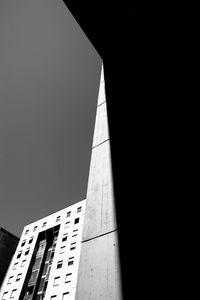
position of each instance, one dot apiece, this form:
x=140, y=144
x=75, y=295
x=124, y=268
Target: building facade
x=8, y=244
x=45, y=263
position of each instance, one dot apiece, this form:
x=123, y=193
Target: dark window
x=35, y=228
x=10, y=279
x=18, y=277
x=78, y=209
x=69, y=214
x=71, y=261
x=19, y=255
x=76, y=221
x=66, y=224
x=23, y=243
x=30, y=241
x=73, y=246
x=27, y=231
x=58, y=219
x=56, y=280
x=68, y=278
x=64, y=237
x=27, y=251
x=59, y=264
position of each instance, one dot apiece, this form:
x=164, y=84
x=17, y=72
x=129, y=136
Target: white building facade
x=45, y=263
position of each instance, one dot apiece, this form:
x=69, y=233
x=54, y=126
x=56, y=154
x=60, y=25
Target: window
x=65, y=297
x=44, y=224
x=19, y=277
x=58, y=219
x=79, y=209
x=67, y=224
x=19, y=254
x=27, y=251
x=10, y=280
x=69, y=214
x=76, y=221
x=53, y=297
x=26, y=232
x=23, y=243
x=4, y=295
x=70, y=260
x=59, y=264
x=13, y=294
x=15, y=266
x=56, y=281
x=68, y=278
x=73, y=246
x=23, y=263
x=75, y=230
x=35, y=228
x=31, y=239
x=64, y=237
x=62, y=249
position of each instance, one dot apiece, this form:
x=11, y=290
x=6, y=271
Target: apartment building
x=45, y=263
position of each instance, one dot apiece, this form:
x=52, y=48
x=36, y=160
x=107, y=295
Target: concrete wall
x=99, y=268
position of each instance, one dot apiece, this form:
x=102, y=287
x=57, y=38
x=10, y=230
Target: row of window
x=17, y=278
x=70, y=262
x=29, y=242
x=72, y=247
x=20, y=253
x=64, y=297
x=57, y=279
x=13, y=295
x=57, y=219
x=22, y=264
x=65, y=235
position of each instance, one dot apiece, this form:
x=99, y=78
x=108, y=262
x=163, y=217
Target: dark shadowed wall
x=49, y=79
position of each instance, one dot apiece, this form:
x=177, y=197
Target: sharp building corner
x=99, y=275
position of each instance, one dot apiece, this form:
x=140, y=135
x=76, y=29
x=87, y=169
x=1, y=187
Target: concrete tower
x=99, y=269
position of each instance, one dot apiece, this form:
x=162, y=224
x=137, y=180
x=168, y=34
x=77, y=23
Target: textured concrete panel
x=102, y=95
x=99, y=272
x=100, y=208
x=101, y=125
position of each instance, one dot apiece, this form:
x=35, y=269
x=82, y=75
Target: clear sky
x=49, y=79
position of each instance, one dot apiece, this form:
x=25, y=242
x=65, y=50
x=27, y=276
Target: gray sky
x=49, y=79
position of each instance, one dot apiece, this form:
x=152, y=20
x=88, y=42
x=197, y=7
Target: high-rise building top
x=45, y=263
x=8, y=244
